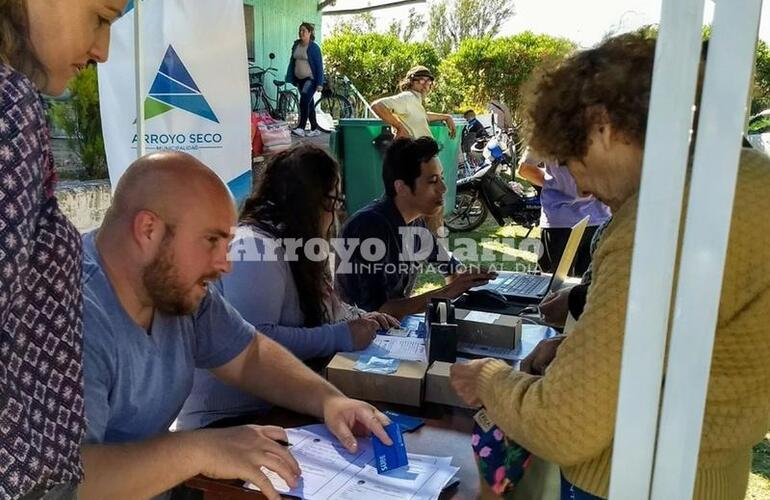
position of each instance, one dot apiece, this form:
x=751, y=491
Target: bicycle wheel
x=336, y=106
x=259, y=102
x=288, y=108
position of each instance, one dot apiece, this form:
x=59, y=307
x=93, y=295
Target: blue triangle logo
x=174, y=87
x=129, y=7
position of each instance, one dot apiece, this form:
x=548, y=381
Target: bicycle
x=347, y=102
x=286, y=104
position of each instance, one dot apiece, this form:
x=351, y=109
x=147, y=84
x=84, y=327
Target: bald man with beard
x=151, y=317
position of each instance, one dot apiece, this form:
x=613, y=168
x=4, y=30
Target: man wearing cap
x=405, y=112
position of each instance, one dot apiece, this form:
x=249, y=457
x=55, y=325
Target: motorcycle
x=485, y=192
x=472, y=158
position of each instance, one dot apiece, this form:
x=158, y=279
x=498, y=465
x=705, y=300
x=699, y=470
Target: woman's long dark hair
x=287, y=203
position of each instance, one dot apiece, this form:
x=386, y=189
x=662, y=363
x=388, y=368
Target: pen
x=282, y=442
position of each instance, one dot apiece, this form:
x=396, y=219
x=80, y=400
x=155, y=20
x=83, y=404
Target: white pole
x=704, y=246
x=366, y=103
x=139, y=75
x=655, y=243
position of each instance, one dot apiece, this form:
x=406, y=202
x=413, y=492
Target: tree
x=760, y=91
x=359, y=23
x=486, y=69
x=375, y=62
x=452, y=21
x=79, y=118
x=406, y=31
x=760, y=98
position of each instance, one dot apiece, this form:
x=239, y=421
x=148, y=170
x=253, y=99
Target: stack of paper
x=404, y=348
x=330, y=472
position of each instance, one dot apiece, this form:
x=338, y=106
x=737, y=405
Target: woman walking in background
x=306, y=72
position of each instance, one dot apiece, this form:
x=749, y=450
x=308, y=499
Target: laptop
x=524, y=287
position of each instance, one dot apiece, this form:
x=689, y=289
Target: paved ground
x=320, y=140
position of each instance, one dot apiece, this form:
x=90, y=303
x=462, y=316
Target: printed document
x=404, y=348
x=329, y=471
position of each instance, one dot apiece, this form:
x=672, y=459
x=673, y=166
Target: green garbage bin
x=353, y=145
x=449, y=156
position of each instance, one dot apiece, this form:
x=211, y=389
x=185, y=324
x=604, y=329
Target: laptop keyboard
x=524, y=284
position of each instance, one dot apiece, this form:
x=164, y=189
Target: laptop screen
x=570, y=249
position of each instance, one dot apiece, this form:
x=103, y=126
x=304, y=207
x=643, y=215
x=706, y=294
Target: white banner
x=195, y=91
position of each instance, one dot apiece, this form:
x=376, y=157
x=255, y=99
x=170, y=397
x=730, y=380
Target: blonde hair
x=15, y=45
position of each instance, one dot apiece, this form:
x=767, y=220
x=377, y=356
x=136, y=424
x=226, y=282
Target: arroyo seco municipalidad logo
x=175, y=89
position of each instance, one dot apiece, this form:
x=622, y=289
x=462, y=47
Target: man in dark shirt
x=388, y=239
x=473, y=130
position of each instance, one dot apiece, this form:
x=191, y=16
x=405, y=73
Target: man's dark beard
x=162, y=284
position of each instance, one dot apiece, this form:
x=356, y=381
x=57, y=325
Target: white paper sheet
x=330, y=472
x=482, y=317
x=405, y=348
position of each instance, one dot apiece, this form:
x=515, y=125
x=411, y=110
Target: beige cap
x=419, y=72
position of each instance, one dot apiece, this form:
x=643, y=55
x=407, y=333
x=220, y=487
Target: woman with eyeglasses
x=281, y=278
x=405, y=112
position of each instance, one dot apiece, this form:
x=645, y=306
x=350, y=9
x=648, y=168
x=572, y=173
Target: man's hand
x=460, y=283
x=541, y=356
x=347, y=418
x=241, y=452
x=555, y=307
x=464, y=379
x=450, y=123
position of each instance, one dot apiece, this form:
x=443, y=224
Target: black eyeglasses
x=336, y=203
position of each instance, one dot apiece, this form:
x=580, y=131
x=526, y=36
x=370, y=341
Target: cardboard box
x=490, y=329
x=403, y=387
x=437, y=387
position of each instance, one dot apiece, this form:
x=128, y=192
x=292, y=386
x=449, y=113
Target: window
x=248, y=14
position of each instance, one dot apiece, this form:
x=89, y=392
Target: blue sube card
x=390, y=457
x=407, y=423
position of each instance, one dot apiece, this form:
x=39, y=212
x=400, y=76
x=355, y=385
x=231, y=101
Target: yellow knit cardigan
x=568, y=415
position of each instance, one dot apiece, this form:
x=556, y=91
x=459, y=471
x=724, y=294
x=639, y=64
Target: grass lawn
x=507, y=255
x=498, y=247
